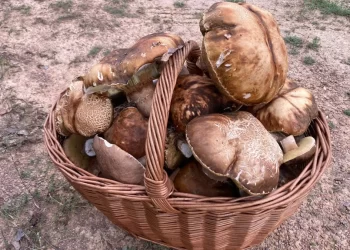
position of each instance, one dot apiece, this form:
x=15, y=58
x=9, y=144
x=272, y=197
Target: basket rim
x=281, y=196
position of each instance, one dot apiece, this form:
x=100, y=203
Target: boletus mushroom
x=298, y=153
x=191, y=179
x=290, y=112
x=236, y=146
x=129, y=131
x=193, y=96
x=66, y=107
x=173, y=156
x=133, y=70
x=244, y=52
x=116, y=164
x=73, y=147
x=93, y=115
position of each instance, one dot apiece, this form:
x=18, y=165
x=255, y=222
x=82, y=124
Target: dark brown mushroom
x=129, y=131
x=193, y=96
x=236, y=146
x=191, y=179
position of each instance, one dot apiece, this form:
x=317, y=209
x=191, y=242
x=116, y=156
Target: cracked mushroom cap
x=191, y=179
x=116, y=164
x=129, y=131
x=194, y=96
x=244, y=52
x=94, y=115
x=236, y=146
x=290, y=112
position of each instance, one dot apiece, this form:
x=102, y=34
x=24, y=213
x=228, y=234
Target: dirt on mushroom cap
x=236, y=145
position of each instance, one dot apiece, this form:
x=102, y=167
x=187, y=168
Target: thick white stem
x=184, y=148
x=289, y=144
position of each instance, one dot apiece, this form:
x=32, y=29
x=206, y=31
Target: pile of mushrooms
x=235, y=129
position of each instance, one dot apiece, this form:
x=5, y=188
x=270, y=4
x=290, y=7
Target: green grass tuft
x=94, y=51
x=62, y=5
x=294, y=41
x=23, y=9
x=235, y=1
x=308, y=60
x=347, y=112
x=328, y=7
x=179, y=4
x=315, y=44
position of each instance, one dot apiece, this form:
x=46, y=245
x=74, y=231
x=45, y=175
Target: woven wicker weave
x=156, y=213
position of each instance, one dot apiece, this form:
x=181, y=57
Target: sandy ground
x=45, y=44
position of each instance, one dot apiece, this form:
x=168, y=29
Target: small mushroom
x=290, y=112
x=191, y=179
x=116, y=164
x=133, y=70
x=193, y=96
x=93, y=115
x=73, y=147
x=244, y=52
x=298, y=153
x=129, y=131
x=236, y=146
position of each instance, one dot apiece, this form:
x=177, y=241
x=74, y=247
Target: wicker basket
x=156, y=213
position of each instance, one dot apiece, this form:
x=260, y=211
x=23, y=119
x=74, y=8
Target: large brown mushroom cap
x=129, y=131
x=194, y=96
x=237, y=146
x=94, y=115
x=121, y=65
x=191, y=179
x=117, y=164
x=244, y=52
x=291, y=111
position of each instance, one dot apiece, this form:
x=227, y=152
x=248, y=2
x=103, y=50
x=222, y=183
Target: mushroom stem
x=142, y=160
x=88, y=148
x=184, y=148
x=289, y=144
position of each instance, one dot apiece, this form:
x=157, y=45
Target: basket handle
x=158, y=185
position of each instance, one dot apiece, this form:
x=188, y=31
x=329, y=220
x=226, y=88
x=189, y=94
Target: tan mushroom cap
x=236, y=146
x=191, y=179
x=94, y=115
x=129, y=131
x=194, y=96
x=301, y=153
x=291, y=111
x=244, y=52
x=120, y=65
x=117, y=164
x=73, y=147
x=65, y=110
